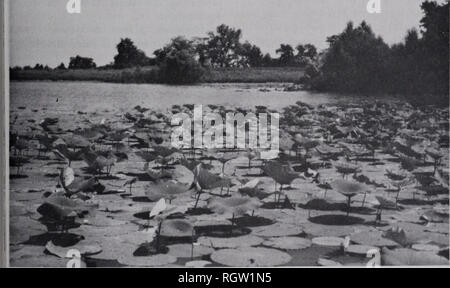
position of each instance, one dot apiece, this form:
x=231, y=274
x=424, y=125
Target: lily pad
x=176, y=228
x=250, y=257
x=426, y=248
x=328, y=241
x=185, y=250
x=233, y=242
x=150, y=261
x=277, y=230
x=288, y=243
x=372, y=238
x=359, y=249
x=409, y=257
x=84, y=248
x=198, y=264
x=328, y=263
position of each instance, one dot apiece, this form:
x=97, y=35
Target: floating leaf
x=232, y=242
x=158, y=208
x=86, y=249
x=234, y=205
x=328, y=241
x=250, y=257
x=409, y=257
x=176, y=228
x=277, y=230
x=185, y=250
x=288, y=243
x=159, y=260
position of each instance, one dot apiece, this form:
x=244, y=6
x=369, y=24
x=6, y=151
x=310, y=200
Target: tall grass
x=253, y=75
x=151, y=75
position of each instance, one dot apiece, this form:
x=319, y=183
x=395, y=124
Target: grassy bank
x=150, y=75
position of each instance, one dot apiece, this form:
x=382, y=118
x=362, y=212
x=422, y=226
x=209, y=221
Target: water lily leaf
x=328, y=241
x=85, y=248
x=281, y=174
x=149, y=261
x=250, y=257
x=59, y=207
x=207, y=180
x=328, y=263
x=68, y=176
x=234, y=205
x=349, y=188
x=176, y=228
x=185, y=250
x=76, y=141
x=158, y=208
x=232, y=242
x=277, y=230
x=409, y=257
x=182, y=175
x=47, y=261
x=198, y=264
x=26, y=251
x=426, y=248
x=318, y=230
x=372, y=238
x=360, y=249
x=288, y=243
x=168, y=189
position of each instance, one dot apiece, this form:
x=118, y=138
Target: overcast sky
x=41, y=31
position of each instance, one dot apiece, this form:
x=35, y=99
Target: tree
x=61, y=67
x=286, y=55
x=223, y=46
x=38, y=67
x=177, y=62
x=79, y=62
x=305, y=54
x=267, y=60
x=251, y=55
x=129, y=55
x=435, y=36
x=356, y=62
x=201, y=49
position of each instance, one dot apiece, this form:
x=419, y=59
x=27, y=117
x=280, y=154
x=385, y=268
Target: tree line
x=220, y=49
x=356, y=60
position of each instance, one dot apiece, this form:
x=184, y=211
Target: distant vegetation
x=151, y=74
x=356, y=61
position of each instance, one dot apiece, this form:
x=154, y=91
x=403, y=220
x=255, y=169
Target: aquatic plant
x=281, y=174
x=347, y=168
x=165, y=190
x=207, y=180
x=348, y=189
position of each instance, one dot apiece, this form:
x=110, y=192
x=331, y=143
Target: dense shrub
x=178, y=64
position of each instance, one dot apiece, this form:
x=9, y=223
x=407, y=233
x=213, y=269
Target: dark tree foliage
x=177, y=62
x=79, y=62
x=435, y=41
x=287, y=57
x=61, y=67
x=267, y=61
x=251, y=55
x=357, y=61
x=223, y=46
x=129, y=55
x=38, y=67
x=305, y=54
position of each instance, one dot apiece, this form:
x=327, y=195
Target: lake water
x=69, y=97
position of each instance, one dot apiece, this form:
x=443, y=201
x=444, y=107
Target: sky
x=41, y=31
